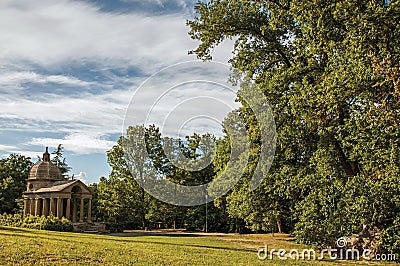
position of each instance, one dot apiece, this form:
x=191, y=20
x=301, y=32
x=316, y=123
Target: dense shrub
x=36, y=222
x=11, y=220
x=391, y=238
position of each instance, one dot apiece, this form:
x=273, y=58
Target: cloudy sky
x=69, y=68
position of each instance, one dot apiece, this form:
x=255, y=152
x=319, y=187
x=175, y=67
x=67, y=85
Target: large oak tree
x=330, y=71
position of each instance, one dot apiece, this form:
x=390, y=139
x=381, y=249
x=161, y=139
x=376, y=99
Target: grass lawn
x=33, y=247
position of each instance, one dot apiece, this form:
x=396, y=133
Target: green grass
x=33, y=247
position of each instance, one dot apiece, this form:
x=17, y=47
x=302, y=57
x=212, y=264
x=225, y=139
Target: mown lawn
x=33, y=247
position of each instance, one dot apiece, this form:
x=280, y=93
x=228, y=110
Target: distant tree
x=124, y=203
x=60, y=161
x=14, y=171
x=193, y=149
x=121, y=199
x=95, y=200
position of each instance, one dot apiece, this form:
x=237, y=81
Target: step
x=91, y=232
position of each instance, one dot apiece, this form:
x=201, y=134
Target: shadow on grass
x=15, y=229
x=187, y=245
x=156, y=234
x=51, y=235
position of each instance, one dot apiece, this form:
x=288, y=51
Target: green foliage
x=50, y=223
x=391, y=237
x=330, y=71
x=14, y=220
x=123, y=204
x=96, y=213
x=14, y=171
x=60, y=161
x=121, y=201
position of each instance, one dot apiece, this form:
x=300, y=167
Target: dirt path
x=133, y=233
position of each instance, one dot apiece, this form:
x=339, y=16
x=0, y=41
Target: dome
x=45, y=169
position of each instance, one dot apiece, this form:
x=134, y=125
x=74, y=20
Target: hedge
x=37, y=222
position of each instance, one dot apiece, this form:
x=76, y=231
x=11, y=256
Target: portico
x=60, y=203
x=48, y=193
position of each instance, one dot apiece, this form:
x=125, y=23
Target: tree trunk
x=279, y=224
x=144, y=222
x=142, y=212
x=351, y=169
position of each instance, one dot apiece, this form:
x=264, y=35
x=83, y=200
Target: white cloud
x=82, y=177
x=87, y=121
x=101, y=113
x=180, y=3
x=78, y=143
x=7, y=147
x=187, y=97
x=53, y=32
x=32, y=154
x=14, y=79
x=55, y=35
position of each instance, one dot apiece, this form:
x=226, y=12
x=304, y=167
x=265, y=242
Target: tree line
x=330, y=72
x=123, y=203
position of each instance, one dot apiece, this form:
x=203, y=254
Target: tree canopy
x=14, y=171
x=60, y=161
x=330, y=71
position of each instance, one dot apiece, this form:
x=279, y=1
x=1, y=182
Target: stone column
x=89, y=211
x=45, y=211
x=43, y=207
x=47, y=206
x=37, y=207
x=81, y=211
x=59, y=207
x=32, y=206
x=26, y=207
x=62, y=207
x=68, y=210
x=52, y=206
x=74, y=210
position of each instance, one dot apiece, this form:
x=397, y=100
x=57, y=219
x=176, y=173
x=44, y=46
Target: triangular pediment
x=66, y=186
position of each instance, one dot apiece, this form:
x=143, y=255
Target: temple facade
x=48, y=192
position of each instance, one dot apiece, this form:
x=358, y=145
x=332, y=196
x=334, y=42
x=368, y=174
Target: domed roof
x=45, y=169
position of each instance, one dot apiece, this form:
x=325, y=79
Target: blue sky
x=68, y=69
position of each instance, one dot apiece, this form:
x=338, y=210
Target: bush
x=37, y=222
x=391, y=238
x=11, y=220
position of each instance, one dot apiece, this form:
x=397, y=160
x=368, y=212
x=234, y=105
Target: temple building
x=48, y=192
